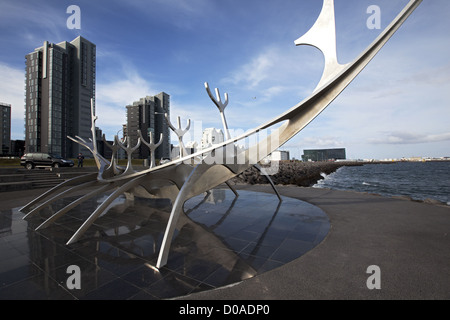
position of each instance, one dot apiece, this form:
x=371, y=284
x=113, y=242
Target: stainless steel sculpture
x=194, y=174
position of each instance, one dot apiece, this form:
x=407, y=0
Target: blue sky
x=397, y=107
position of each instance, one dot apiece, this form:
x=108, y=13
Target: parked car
x=32, y=160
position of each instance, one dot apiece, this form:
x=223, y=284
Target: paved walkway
x=409, y=241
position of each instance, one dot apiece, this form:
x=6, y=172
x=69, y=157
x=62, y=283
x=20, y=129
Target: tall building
x=211, y=136
x=147, y=115
x=280, y=155
x=5, y=128
x=59, y=85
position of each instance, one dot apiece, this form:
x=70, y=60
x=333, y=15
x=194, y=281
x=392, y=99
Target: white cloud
x=399, y=137
x=12, y=92
x=254, y=72
x=122, y=92
x=186, y=7
x=319, y=142
x=182, y=14
x=112, y=98
x=286, y=66
x=12, y=89
x=38, y=21
x=390, y=96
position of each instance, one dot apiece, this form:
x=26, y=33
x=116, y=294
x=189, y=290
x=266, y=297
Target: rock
x=433, y=201
x=403, y=198
x=303, y=174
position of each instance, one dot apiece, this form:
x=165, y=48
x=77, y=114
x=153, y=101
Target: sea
x=417, y=180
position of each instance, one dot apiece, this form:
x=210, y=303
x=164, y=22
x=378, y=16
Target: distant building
x=17, y=148
x=59, y=85
x=191, y=147
x=5, y=128
x=175, y=152
x=102, y=148
x=279, y=155
x=324, y=154
x=124, y=131
x=147, y=115
x=211, y=136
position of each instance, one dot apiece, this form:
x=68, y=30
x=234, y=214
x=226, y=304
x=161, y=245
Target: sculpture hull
x=191, y=175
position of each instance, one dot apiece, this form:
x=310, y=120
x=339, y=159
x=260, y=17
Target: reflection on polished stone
x=222, y=239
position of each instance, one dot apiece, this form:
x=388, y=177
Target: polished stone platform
x=221, y=240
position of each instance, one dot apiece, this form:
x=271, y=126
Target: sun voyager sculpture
x=190, y=175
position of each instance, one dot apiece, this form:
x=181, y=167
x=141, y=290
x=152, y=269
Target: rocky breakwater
x=302, y=174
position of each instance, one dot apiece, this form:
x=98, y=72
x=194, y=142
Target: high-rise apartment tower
x=147, y=115
x=59, y=85
x=5, y=128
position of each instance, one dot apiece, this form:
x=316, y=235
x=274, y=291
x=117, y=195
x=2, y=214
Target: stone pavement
x=407, y=240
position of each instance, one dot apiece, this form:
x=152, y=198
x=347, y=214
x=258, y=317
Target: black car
x=32, y=160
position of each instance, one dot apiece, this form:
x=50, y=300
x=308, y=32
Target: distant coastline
x=307, y=174
x=396, y=181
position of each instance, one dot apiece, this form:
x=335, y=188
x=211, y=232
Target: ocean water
x=417, y=180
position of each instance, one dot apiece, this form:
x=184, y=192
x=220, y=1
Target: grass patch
x=10, y=163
